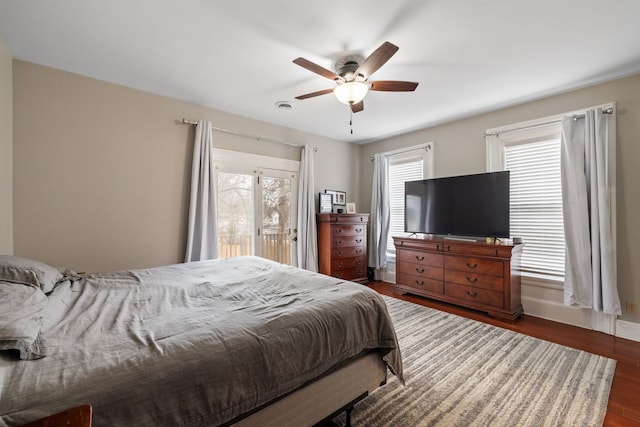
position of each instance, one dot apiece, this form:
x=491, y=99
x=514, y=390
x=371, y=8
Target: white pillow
x=29, y=272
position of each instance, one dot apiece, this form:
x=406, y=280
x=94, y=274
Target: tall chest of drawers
x=342, y=245
x=472, y=274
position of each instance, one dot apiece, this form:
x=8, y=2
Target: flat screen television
x=467, y=205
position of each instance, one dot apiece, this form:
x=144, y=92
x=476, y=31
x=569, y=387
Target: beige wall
x=102, y=171
x=460, y=149
x=6, y=151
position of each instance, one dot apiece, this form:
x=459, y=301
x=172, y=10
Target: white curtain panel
x=202, y=238
x=590, y=269
x=307, y=238
x=379, y=221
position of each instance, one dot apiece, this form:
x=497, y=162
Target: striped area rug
x=461, y=372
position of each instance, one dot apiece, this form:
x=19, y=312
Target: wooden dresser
x=342, y=245
x=477, y=275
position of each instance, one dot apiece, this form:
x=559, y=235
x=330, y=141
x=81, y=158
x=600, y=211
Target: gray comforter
x=191, y=344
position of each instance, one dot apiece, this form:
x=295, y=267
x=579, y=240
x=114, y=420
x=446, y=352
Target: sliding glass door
x=256, y=212
x=235, y=214
x=276, y=230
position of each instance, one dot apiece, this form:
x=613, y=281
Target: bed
x=242, y=341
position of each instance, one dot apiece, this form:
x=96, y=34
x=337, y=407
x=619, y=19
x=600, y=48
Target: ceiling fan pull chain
x=351, y=120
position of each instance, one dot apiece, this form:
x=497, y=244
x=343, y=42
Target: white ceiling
x=469, y=56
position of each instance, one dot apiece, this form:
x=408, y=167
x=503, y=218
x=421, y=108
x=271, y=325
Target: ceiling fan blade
x=393, y=86
x=357, y=107
x=312, y=94
x=315, y=68
x=377, y=59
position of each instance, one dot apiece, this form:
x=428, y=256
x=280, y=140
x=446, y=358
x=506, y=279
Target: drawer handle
x=358, y=240
x=340, y=242
x=419, y=283
x=419, y=258
x=448, y=248
x=358, y=230
x=339, y=230
x=339, y=253
x=358, y=251
x=475, y=279
x=472, y=266
x=438, y=248
x=472, y=294
x=339, y=264
x=420, y=270
x=359, y=262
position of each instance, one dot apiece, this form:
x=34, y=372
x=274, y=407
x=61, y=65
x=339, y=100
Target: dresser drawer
x=348, y=241
x=350, y=273
x=346, y=252
x=484, y=281
x=476, y=295
x=421, y=258
x=427, y=271
x=419, y=283
x=348, y=230
x=342, y=263
x=474, y=265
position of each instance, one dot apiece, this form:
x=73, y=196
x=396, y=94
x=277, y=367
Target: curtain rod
x=575, y=117
x=245, y=135
x=426, y=146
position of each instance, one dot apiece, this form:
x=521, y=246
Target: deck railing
x=276, y=246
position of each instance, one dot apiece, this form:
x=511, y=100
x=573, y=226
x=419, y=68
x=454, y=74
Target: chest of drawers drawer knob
x=470, y=280
x=419, y=258
x=358, y=240
x=420, y=270
x=358, y=230
x=420, y=282
x=358, y=251
x=472, y=294
x=472, y=266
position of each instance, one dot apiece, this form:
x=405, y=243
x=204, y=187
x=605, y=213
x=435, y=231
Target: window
x=409, y=165
x=532, y=151
x=532, y=154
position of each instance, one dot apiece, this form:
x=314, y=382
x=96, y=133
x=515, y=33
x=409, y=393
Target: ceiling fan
x=352, y=77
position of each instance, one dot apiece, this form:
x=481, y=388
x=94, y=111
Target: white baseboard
x=628, y=330
x=558, y=312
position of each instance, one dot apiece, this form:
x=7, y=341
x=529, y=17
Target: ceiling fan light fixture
x=351, y=92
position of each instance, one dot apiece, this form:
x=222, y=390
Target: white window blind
x=402, y=167
x=536, y=204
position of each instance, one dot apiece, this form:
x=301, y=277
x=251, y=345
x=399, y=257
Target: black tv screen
x=467, y=205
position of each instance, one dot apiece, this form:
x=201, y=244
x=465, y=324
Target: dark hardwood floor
x=624, y=399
